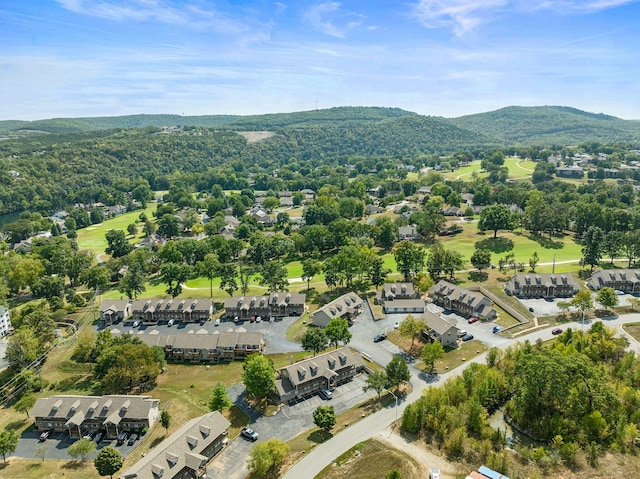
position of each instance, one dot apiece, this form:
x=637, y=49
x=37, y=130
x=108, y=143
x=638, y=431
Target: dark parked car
x=556, y=331
x=122, y=437
x=379, y=337
x=496, y=329
x=531, y=310
x=44, y=435
x=249, y=434
x=133, y=439
x=468, y=337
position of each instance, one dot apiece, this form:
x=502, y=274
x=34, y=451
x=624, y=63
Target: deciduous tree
x=324, y=417
x=411, y=327
x=108, y=461
x=376, y=380
x=607, y=297
x=314, y=340
x=8, y=442
x=338, y=330
x=431, y=352
x=410, y=258
x=82, y=449
x=397, y=371
x=267, y=456
x=259, y=375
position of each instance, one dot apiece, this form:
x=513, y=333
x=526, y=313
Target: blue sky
x=69, y=58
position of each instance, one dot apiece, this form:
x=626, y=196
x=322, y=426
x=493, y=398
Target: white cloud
x=461, y=15
x=465, y=15
x=162, y=11
x=318, y=15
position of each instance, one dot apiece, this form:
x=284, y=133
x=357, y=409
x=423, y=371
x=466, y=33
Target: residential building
x=408, y=233
x=326, y=371
x=5, y=321
x=347, y=306
x=186, y=452
x=77, y=415
x=400, y=298
x=462, y=300
x=277, y=305
x=153, y=311
x=570, y=172
x=535, y=285
x=206, y=348
x=113, y=311
x=627, y=280
x=439, y=329
x=453, y=211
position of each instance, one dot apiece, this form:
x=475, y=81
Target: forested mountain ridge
x=540, y=125
x=332, y=117
x=550, y=125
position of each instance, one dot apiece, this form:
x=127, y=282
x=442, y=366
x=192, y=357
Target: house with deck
x=462, y=300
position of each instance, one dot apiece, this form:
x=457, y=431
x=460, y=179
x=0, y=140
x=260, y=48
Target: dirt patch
x=373, y=460
x=255, y=136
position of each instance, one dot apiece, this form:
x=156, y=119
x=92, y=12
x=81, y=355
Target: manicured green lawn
x=92, y=237
x=465, y=172
x=521, y=243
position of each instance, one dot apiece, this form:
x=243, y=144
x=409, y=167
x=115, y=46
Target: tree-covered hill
x=550, y=125
x=14, y=128
x=332, y=117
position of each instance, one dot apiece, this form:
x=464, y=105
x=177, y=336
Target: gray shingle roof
x=180, y=450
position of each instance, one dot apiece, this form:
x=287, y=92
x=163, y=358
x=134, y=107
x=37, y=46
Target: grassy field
x=92, y=237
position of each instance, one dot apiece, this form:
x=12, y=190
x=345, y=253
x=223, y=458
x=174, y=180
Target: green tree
x=397, y=371
x=310, y=268
x=132, y=283
x=338, y=330
x=378, y=273
x=495, y=218
x=481, y=259
x=228, y=273
x=314, y=340
x=431, y=352
x=324, y=417
x=165, y=420
x=533, y=261
x=82, y=449
x=208, y=268
x=583, y=301
x=412, y=327
x=410, y=258
x=168, y=225
x=267, y=456
x=108, y=461
x=96, y=277
x=22, y=348
x=273, y=275
x=8, y=442
x=117, y=244
x=132, y=229
x=219, y=398
x=174, y=275
x=259, y=375
x=591, y=246
x=25, y=403
x=607, y=297
x=376, y=380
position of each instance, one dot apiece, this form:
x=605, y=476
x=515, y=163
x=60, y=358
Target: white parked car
x=396, y=325
x=135, y=324
x=434, y=473
x=216, y=322
x=171, y=322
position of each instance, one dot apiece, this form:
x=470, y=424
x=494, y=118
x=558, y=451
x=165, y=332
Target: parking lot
x=57, y=444
x=272, y=331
